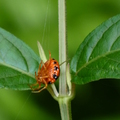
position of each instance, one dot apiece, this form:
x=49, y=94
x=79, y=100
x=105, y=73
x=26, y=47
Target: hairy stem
x=62, y=47
x=65, y=108
x=64, y=98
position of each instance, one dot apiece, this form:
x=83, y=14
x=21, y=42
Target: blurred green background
x=38, y=20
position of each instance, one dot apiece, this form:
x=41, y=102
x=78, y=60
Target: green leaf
x=98, y=56
x=18, y=63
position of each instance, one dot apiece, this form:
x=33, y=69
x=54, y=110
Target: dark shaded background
x=38, y=20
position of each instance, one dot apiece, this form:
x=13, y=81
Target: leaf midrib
x=17, y=50
x=19, y=70
x=96, y=59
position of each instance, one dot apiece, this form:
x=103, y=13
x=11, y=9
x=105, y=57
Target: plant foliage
x=18, y=63
x=98, y=56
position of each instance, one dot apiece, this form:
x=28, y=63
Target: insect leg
x=49, y=55
x=41, y=63
x=31, y=86
x=41, y=88
x=48, y=62
x=36, y=89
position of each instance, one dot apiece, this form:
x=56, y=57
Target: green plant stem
x=64, y=98
x=62, y=47
x=65, y=108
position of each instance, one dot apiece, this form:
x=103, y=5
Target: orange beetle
x=48, y=74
